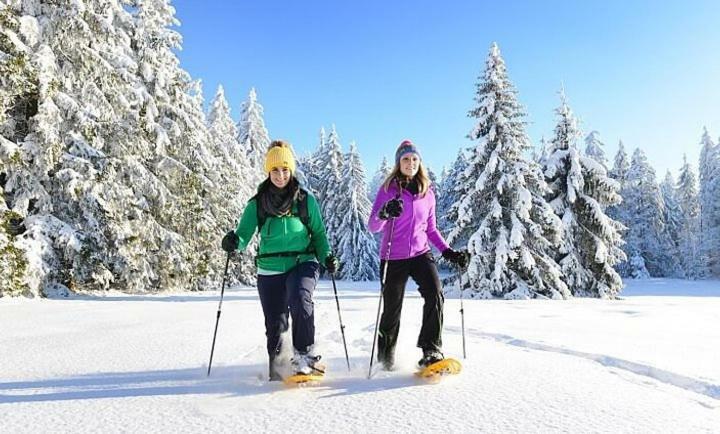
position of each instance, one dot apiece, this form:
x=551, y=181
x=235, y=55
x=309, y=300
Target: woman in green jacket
x=292, y=246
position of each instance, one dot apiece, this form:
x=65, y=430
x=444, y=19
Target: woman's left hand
x=459, y=258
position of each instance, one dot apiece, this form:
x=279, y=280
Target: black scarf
x=278, y=201
x=409, y=184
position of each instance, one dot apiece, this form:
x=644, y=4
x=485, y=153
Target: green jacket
x=285, y=234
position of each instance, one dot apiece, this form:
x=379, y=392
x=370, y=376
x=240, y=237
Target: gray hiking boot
x=306, y=364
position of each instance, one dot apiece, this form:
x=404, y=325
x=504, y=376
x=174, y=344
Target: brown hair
x=281, y=143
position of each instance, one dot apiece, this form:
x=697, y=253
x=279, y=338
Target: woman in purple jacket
x=404, y=210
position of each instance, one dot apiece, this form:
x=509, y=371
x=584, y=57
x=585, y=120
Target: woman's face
x=280, y=176
x=409, y=164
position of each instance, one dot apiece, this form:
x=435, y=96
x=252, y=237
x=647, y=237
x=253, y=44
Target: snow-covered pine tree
x=173, y=119
x=74, y=147
x=687, y=195
x=18, y=102
x=13, y=258
x=540, y=153
x=434, y=184
x=381, y=173
x=709, y=169
x=311, y=167
x=356, y=248
x=621, y=165
x=252, y=134
x=112, y=141
x=331, y=168
x=580, y=190
x=18, y=74
x=455, y=185
x=443, y=174
x=432, y=177
x=235, y=177
x=440, y=187
x=594, y=148
x=646, y=223
x=514, y=228
x=672, y=215
x=620, y=212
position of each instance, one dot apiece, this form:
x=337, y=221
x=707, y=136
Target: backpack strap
x=302, y=207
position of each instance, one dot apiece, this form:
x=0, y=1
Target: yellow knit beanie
x=279, y=155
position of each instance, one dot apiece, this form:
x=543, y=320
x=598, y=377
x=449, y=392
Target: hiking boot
x=430, y=357
x=387, y=358
x=306, y=364
x=273, y=374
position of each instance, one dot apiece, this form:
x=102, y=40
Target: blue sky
x=646, y=72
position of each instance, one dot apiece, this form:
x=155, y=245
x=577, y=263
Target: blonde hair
x=422, y=178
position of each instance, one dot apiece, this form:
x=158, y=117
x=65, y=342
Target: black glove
x=331, y=264
x=459, y=258
x=230, y=242
x=391, y=209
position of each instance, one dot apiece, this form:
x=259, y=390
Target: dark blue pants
x=291, y=293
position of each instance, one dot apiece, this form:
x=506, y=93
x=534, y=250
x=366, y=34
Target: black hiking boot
x=387, y=358
x=430, y=357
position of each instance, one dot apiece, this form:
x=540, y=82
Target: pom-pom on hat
x=279, y=155
x=406, y=147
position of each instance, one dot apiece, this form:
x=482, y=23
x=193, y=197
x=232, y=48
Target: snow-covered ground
x=647, y=363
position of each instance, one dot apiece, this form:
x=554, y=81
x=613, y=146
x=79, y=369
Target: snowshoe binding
x=307, y=369
x=433, y=366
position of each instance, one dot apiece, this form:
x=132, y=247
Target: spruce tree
x=252, y=134
x=709, y=169
x=580, y=190
x=621, y=165
x=234, y=178
x=330, y=191
x=513, y=228
x=687, y=196
x=620, y=212
x=81, y=134
x=18, y=103
x=672, y=215
x=455, y=185
x=540, y=153
x=183, y=204
x=594, y=148
x=357, y=249
x=646, y=222
x=311, y=167
x=382, y=172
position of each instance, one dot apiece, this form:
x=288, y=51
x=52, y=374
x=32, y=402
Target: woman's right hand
x=391, y=209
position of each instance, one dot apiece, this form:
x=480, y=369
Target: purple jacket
x=414, y=227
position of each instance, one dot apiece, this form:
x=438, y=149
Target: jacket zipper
x=412, y=223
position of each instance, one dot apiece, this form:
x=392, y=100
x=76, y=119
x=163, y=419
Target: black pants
x=285, y=293
x=423, y=271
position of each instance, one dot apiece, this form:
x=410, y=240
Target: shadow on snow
x=231, y=381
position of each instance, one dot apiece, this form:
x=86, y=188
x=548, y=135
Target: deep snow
x=649, y=362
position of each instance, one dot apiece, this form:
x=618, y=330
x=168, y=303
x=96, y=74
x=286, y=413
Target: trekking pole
x=382, y=281
x=342, y=327
x=217, y=320
x=382, y=289
x=462, y=310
